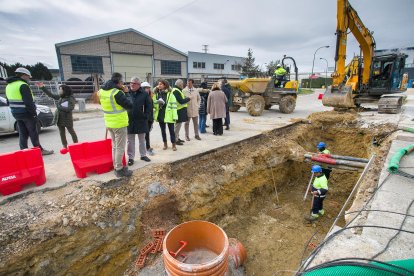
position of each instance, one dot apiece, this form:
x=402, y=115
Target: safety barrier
x=20, y=168
x=93, y=156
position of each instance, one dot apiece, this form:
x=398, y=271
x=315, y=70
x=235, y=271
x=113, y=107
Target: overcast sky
x=29, y=29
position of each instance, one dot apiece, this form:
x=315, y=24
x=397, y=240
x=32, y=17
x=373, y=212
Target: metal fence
x=81, y=89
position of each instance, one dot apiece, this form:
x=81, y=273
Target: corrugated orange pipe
x=198, y=235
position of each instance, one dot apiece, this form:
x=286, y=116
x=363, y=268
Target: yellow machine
x=257, y=94
x=367, y=78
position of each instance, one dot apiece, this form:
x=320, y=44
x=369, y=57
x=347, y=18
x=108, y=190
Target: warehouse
x=128, y=52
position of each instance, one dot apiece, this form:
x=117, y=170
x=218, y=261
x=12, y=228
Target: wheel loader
x=367, y=78
x=258, y=94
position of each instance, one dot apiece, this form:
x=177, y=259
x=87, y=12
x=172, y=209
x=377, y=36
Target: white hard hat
x=23, y=71
x=278, y=65
x=145, y=84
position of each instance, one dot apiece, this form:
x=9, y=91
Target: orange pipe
x=198, y=235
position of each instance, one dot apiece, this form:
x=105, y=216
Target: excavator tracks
x=390, y=104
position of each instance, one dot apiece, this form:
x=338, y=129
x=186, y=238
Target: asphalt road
x=59, y=168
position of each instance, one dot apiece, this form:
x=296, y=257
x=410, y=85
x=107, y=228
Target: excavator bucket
x=338, y=97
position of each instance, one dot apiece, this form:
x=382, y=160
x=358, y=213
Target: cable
x=358, y=264
x=396, y=234
x=166, y=15
x=359, y=259
x=329, y=238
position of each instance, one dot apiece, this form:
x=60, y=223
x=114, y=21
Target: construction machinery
x=367, y=78
x=257, y=94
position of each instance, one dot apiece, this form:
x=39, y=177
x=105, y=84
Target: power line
x=166, y=16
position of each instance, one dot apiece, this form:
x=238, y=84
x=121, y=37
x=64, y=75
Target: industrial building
x=128, y=52
x=211, y=67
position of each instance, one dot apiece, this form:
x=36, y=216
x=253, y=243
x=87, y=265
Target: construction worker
x=319, y=191
x=321, y=146
x=114, y=105
x=280, y=73
x=21, y=101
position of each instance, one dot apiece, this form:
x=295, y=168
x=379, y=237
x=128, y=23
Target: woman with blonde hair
x=216, y=107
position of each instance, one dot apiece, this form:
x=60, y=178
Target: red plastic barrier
x=93, y=156
x=20, y=168
x=320, y=96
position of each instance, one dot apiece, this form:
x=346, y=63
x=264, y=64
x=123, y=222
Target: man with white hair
x=21, y=101
x=138, y=118
x=182, y=101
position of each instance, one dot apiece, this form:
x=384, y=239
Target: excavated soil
x=89, y=227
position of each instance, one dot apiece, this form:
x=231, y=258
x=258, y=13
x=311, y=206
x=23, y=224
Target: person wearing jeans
x=165, y=111
x=202, y=111
x=138, y=118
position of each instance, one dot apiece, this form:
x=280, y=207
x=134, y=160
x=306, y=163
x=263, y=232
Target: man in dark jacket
x=138, y=119
x=182, y=101
x=115, y=105
x=226, y=89
x=21, y=101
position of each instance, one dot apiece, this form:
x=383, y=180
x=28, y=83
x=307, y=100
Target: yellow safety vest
x=115, y=115
x=171, y=115
x=320, y=182
x=180, y=106
x=325, y=151
x=14, y=96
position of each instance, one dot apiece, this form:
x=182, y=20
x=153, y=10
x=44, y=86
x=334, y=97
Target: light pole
x=326, y=71
x=313, y=63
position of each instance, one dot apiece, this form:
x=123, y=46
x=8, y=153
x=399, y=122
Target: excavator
x=367, y=78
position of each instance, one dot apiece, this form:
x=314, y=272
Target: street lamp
x=313, y=63
x=326, y=71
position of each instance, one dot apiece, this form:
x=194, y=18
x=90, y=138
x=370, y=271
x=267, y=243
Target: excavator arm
x=348, y=19
x=343, y=89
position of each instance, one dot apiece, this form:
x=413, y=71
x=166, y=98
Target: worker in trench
x=319, y=191
x=321, y=146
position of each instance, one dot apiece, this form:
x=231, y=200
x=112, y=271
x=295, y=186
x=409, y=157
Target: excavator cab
x=387, y=74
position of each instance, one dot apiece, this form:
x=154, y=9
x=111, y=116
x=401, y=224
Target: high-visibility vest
x=325, y=151
x=180, y=106
x=320, y=182
x=171, y=115
x=14, y=96
x=115, y=115
x=280, y=72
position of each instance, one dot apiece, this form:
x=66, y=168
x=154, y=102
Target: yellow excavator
x=367, y=78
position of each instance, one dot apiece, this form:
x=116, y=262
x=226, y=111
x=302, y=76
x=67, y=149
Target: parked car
x=9, y=125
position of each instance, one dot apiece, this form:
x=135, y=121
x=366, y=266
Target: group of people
x=128, y=112
x=131, y=111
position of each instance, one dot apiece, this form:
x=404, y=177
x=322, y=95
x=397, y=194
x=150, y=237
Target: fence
x=81, y=89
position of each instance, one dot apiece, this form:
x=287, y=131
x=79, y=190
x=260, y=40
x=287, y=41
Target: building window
x=219, y=66
x=87, y=64
x=199, y=65
x=169, y=67
x=236, y=67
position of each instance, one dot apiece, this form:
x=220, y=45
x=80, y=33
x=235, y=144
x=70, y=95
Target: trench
x=231, y=186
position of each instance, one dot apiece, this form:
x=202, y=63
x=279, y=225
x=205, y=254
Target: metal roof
x=115, y=33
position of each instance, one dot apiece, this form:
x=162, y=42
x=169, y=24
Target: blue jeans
x=202, y=123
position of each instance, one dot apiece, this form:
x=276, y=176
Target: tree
x=249, y=69
x=39, y=71
x=271, y=66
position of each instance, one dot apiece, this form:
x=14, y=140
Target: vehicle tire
x=287, y=104
x=255, y=105
x=267, y=106
x=234, y=108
